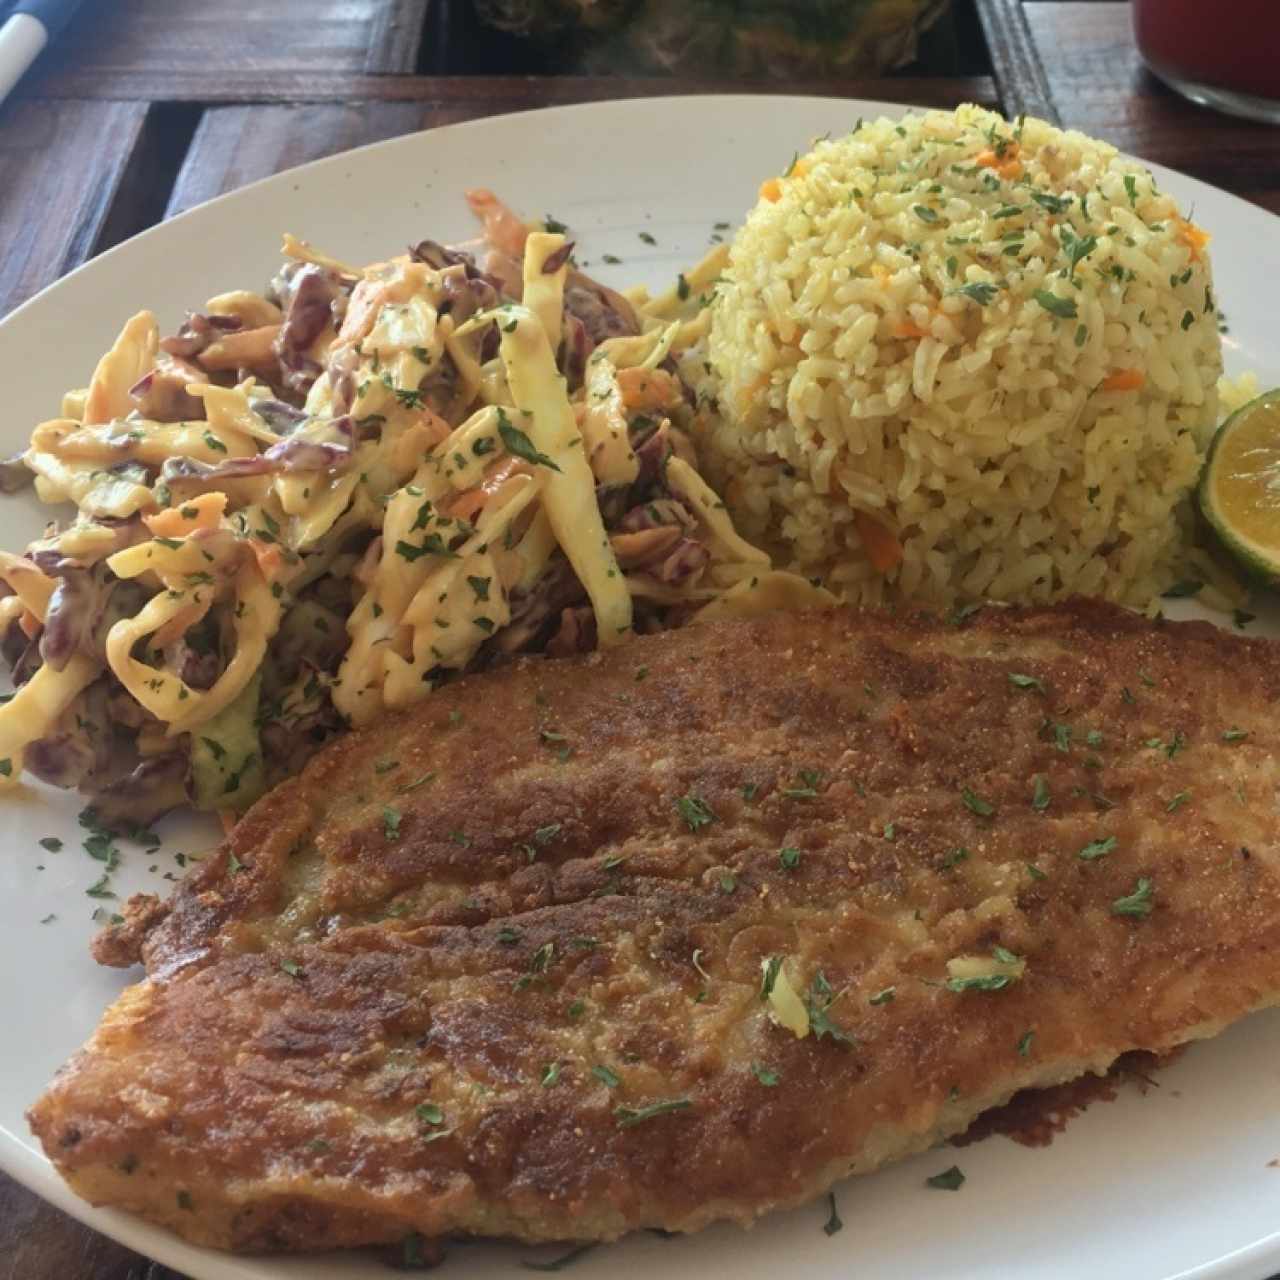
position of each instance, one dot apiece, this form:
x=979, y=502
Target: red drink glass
x=1224, y=55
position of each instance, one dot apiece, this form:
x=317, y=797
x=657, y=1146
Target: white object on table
x=21, y=40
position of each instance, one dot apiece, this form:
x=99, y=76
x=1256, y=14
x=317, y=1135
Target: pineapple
x=780, y=38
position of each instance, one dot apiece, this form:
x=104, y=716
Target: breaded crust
x=440, y=982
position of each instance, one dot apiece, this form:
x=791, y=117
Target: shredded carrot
x=648, y=389
x=1005, y=162
x=30, y=624
x=881, y=544
x=181, y=622
x=202, y=512
x=270, y=558
x=502, y=228
x=1124, y=380
x=797, y=170
x=909, y=329
x=1195, y=238
x=468, y=504
x=771, y=190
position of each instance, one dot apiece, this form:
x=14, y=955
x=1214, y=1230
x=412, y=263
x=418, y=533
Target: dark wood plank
x=234, y=146
x=63, y=164
x=481, y=95
x=39, y=1242
x=254, y=40
x=1099, y=85
x=1015, y=61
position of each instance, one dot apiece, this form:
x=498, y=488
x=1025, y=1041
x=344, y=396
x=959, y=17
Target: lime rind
x=1260, y=559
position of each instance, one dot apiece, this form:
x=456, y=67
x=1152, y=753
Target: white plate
x=1173, y=1184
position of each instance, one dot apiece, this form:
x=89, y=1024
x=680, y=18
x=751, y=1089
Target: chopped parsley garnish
x=682, y=287
x=694, y=810
x=1063, y=308
x=982, y=294
x=924, y=213
x=948, y=1180
x=606, y=1077
x=52, y=843
x=1097, y=849
x=1026, y=682
x=432, y=545
x=789, y=857
x=214, y=443
x=818, y=1003
x=975, y=803
x=883, y=997
x=1176, y=743
x=1040, y=793
x=808, y=789
x=1242, y=619
x=1078, y=248
x=554, y=225
x=1177, y=802
x=955, y=857
x=480, y=586
x=766, y=1077
x=1137, y=904
x=429, y=1113
x=647, y=238
x=519, y=444
x=986, y=982
x=1034, y=872
x=1131, y=189
x=629, y=1117
x=728, y=882
x=99, y=889
x=1024, y=1043
x=544, y=835
x=1235, y=735
x=292, y=968
x=391, y=822
x=1047, y=200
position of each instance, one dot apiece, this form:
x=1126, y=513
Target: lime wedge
x=1240, y=485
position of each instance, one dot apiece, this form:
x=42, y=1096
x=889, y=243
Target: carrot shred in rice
x=1005, y=163
x=1195, y=238
x=1124, y=380
x=909, y=329
x=881, y=544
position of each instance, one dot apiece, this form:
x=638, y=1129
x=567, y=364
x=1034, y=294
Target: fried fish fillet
x=500, y=966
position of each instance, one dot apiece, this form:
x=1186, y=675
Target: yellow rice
x=901, y=332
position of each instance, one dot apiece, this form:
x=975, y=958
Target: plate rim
x=30, y=1167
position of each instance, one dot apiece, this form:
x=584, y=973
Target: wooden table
x=151, y=106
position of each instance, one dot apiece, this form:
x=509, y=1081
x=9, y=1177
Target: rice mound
x=998, y=342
